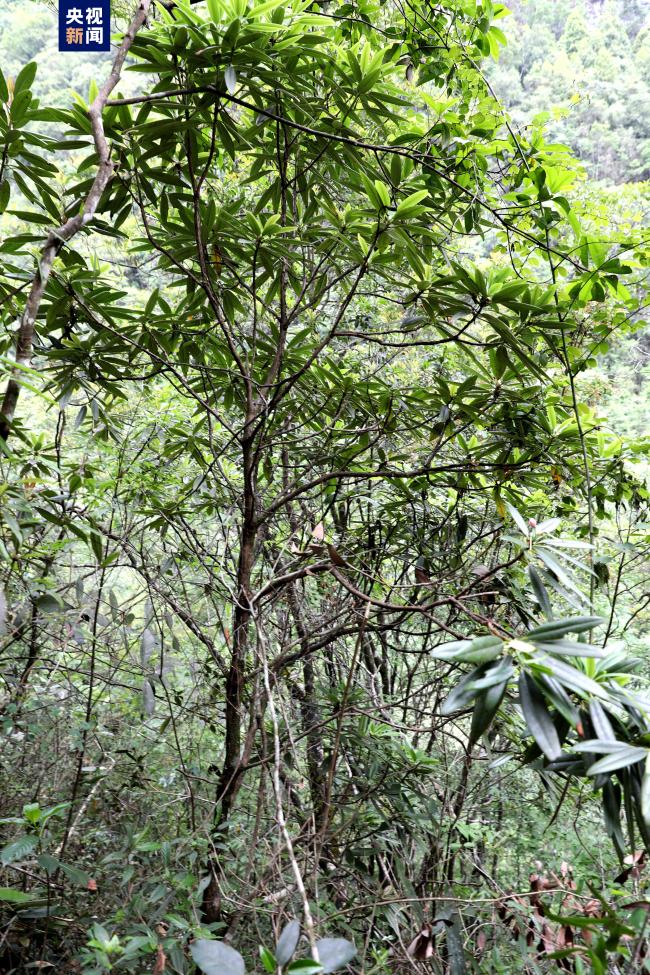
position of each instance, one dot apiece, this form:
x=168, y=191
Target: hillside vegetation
x=324, y=537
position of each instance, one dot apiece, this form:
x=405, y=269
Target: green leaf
x=463, y=693
x=552, y=563
x=12, y=896
x=18, y=849
x=569, y=648
x=411, y=203
x=600, y=721
x=268, y=960
x=645, y=793
x=334, y=953
x=267, y=7
x=49, y=863
x=573, y=920
x=538, y=720
x=483, y=649
x=97, y=546
x=215, y=9
x=48, y=603
x=518, y=519
x=601, y=746
x=216, y=958
x=556, y=629
x=485, y=707
x=568, y=543
x=621, y=758
x=32, y=812
x=287, y=942
x=5, y=194
x=382, y=192
x=77, y=876
x=575, y=679
x=230, y=77
x=500, y=671
x=556, y=694
x=24, y=78
x=612, y=814
x=450, y=651
x=541, y=594
x=480, y=650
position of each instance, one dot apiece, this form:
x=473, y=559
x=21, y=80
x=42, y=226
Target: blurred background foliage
x=455, y=839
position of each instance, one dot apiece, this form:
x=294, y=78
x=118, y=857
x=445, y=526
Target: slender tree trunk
x=310, y=715
x=235, y=761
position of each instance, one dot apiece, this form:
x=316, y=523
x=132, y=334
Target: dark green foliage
x=323, y=574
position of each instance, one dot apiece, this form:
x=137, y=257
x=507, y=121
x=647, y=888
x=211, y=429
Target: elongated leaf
x=25, y=78
x=572, y=920
x=455, y=950
x=612, y=814
x=645, y=793
x=230, y=77
x=601, y=722
x=621, y=758
x=18, y=849
x=214, y=9
x=483, y=649
x=552, y=563
x=480, y=650
x=287, y=942
x=538, y=720
x=559, y=698
x=518, y=519
x=567, y=543
x=540, y=592
x=12, y=896
x=48, y=603
x=265, y=8
x=216, y=958
x=334, y=953
x=147, y=646
x=463, y=693
x=575, y=679
x=581, y=566
x=576, y=602
x=77, y=876
x=411, y=202
x=485, y=708
x=556, y=629
x=503, y=670
x=568, y=648
x=49, y=863
x=267, y=959
x=449, y=651
x=618, y=662
x=599, y=746
x=148, y=699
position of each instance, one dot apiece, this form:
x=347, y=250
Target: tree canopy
x=320, y=563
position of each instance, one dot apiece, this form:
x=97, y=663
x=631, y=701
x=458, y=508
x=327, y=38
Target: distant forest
x=325, y=489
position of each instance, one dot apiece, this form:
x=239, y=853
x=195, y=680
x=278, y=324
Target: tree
x=361, y=425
